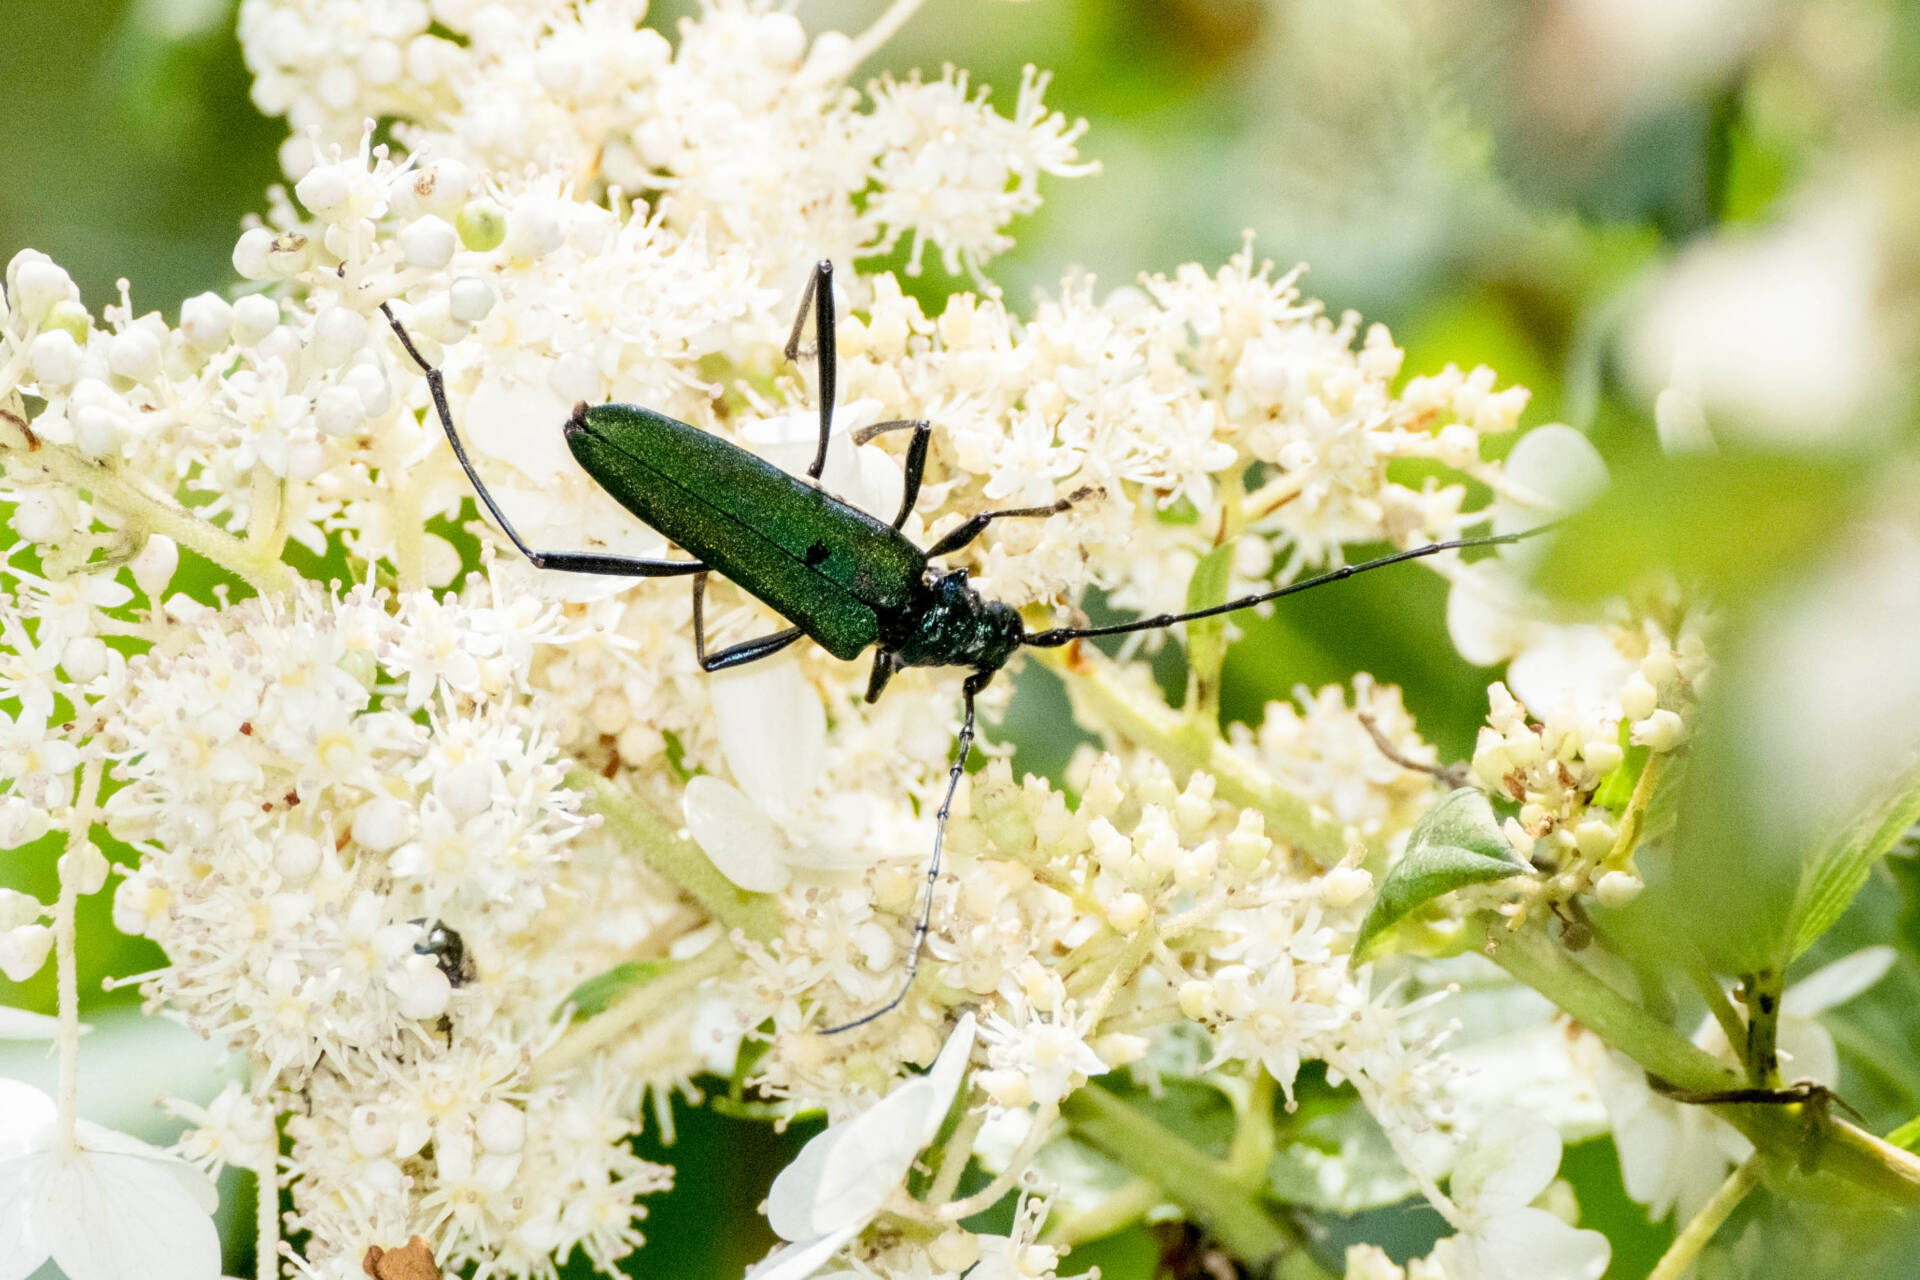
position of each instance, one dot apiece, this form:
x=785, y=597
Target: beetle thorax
x=958, y=627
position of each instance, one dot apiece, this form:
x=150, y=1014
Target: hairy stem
x=67, y=971
x=1532, y=957
x=680, y=981
x=148, y=510
x=1225, y=1205
x=677, y=860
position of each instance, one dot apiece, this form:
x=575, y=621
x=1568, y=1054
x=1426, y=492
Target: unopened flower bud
x=134, y=355
x=1344, y=886
x=1638, y=697
x=501, y=1128
x=55, y=358
x=254, y=317
x=1617, y=888
x=428, y=242
x=1661, y=731
x=23, y=950
x=153, y=566
x=380, y=824
x=482, y=225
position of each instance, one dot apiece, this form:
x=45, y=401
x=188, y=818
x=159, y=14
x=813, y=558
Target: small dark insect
x=843, y=578
x=1817, y=1098
x=448, y=949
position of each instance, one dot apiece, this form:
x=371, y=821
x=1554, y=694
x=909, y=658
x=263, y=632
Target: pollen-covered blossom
x=320, y=790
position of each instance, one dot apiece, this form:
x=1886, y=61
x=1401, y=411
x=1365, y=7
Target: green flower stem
x=677, y=860
x=1093, y=684
x=955, y=1152
x=1717, y=1003
x=1253, y=1138
x=1679, y=1257
x=1633, y=821
x=1119, y=1209
x=1535, y=959
x=1776, y=1129
x=1227, y=1206
x=643, y=1004
x=1763, y=994
x=147, y=511
x=66, y=963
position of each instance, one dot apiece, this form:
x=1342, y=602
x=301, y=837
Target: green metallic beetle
x=843, y=578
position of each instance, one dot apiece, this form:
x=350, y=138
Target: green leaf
x=597, y=993
x=1733, y=524
x=1837, y=871
x=1341, y=1163
x=1206, y=637
x=1455, y=844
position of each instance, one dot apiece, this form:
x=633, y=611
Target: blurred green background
x=1497, y=180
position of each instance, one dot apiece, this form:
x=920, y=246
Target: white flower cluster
x=361, y=822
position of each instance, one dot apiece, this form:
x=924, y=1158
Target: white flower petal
x=1509, y=1162
x=1483, y=615
x=845, y=1174
x=773, y=732
x=106, y=1217
x=799, y=1260
x=515, y=417
x=736, y=836
x=102, y=1140
x=1532, y=1244
x=21, y=1252
x=26, y=1117
x=1571, y=672
x=1836, y=983
x=1558, y=467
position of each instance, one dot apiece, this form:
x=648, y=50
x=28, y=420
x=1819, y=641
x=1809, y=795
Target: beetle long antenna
x=436, y=384
x=974, y=684
x=1056, y=636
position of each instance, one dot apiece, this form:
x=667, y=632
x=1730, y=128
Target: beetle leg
x=969, y=690
x=818, y=294
x=916, y=458
x=564, y=561
x=961, y=534
x=734, y=655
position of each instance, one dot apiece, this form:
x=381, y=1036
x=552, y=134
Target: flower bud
x=380, y=824
x=205, y=321
x=338, y=411
x=482, y=225
x=470, y=299
x=338, y=332
x=85, y=867
x=251, y=251
x=84, y=659
x=1661, y=731
x=36, y=282
x=55, y=358
x=296, y=857
x=428, y=242
x=134, y=355
x=1344, y=886
x=501, y=1128
x=1617, y=888
x=36, y=517
x=154, y=565
x=23, y=950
